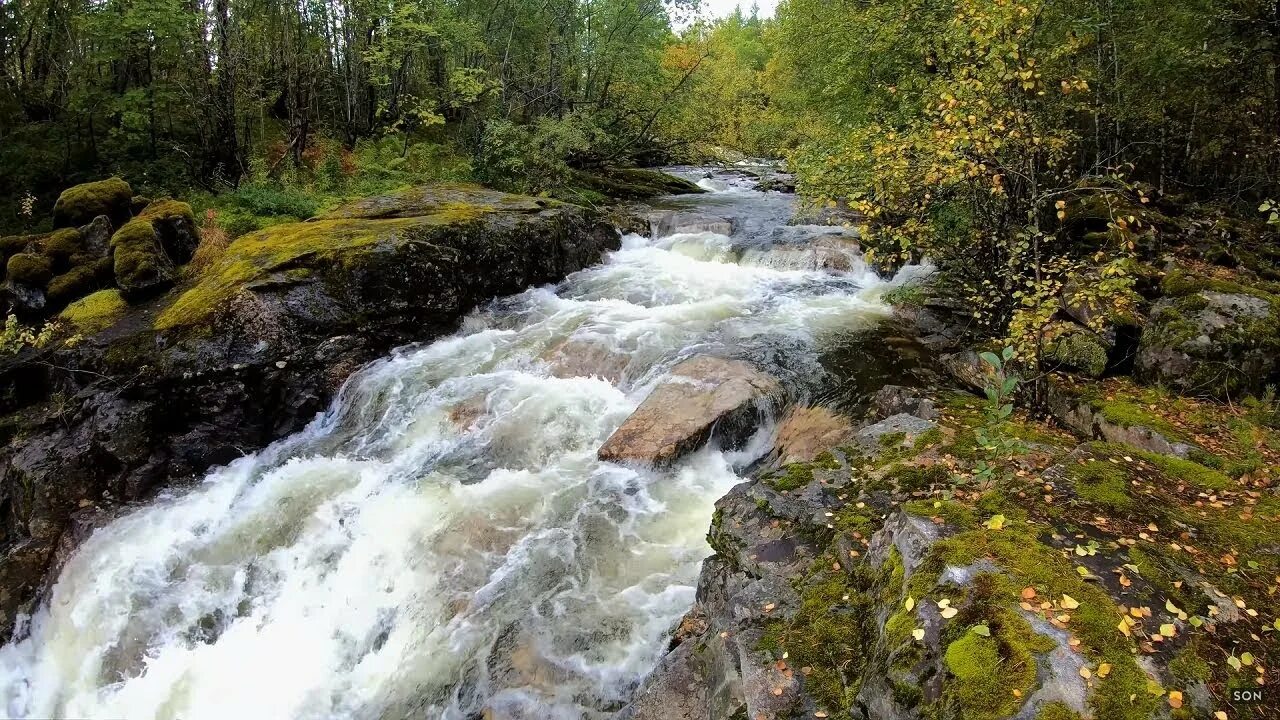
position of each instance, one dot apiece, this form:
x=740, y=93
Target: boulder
x=632, y=183
x=80, y=204
x=807, y=432
x=141, y=266
x=175, y=227
x=834, y=253
x=583, y=358
x=703, y=395
x=894, y=431
x=1076, y=348
x=1222, y=344
x=893, y=400
x=676, y=223
x=96, y=236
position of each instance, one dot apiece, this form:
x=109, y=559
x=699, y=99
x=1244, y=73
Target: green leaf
x=982, y=630
x=991, y=359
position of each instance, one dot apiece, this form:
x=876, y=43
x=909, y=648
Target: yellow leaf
x=948, y=613
x=918, y=634
x=1104, y=670
x=911, y=604
x=1069, y=602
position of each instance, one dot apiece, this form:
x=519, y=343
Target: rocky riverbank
x=161, y=384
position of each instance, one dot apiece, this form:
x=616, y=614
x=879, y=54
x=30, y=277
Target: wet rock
x=894, y=431
x=697, y=677
x=703, y=395
x=1215, y=343
x=675, y=223
x=893, y=400
x=583, y=358
x=633, y=183
x=25, y=299
x=807, y=432
x=834, y=253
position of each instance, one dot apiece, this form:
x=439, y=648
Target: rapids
x=443, y=541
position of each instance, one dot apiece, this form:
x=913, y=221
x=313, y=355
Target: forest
x=640, y=359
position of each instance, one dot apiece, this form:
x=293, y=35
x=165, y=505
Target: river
x=443, y=542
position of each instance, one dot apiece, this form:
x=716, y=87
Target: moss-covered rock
x=80, y=204
x=140, y=264
x=79, y=281
x=95, y=312
x=1081, y=350
x=29, y=269
x=175, y=226
x=1211, y=338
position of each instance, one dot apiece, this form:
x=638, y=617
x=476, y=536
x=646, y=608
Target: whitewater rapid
x=443, y=542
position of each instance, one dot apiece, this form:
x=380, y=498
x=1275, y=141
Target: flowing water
x=443, y=541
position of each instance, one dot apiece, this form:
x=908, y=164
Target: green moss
x=953, y=513
x=892, y=440
x=168, y=208
x=30, y=269
x=61, y=245
x=1102, y=483
x=1025, y=561
x=829, y=634
x=826, y=461
x=986, y=668
x=96, y=312
x=79, y=281
x=1081, y=351
x=1191, y=473
x=1129, y=414
x=81, y=204
x=139, y=262
x=11, y=245
x=791, y=478
x=284, y=247
x=910, y=478
x=1188, y=667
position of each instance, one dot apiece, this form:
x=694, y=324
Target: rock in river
x=703, y=395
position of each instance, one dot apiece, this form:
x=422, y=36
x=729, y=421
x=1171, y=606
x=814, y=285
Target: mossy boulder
x=80, y=204
x=30, y=269
x=140, y=264
x=1080, y=350
x=79, y=281
x=1214, y=338
x=399, y=255
x=175, y=226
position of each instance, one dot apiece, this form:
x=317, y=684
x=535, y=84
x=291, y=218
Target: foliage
x=16, y=337
x=992, y=440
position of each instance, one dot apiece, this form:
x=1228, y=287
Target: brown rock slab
x=703, y=394
x=807, y=432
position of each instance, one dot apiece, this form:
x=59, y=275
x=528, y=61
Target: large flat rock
x=703, y=395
